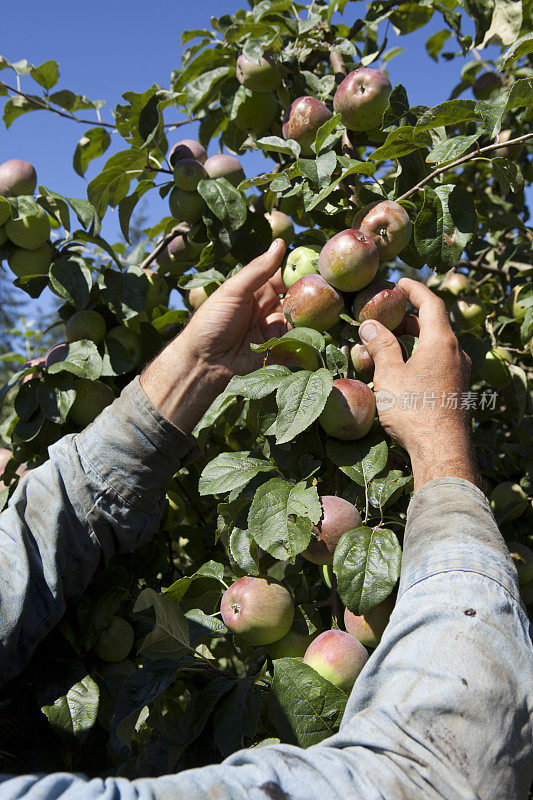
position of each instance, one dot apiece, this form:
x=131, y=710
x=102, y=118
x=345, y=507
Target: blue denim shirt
x=442, y=708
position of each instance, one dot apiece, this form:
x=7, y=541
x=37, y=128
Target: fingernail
x=368, y=331
x=273, y=246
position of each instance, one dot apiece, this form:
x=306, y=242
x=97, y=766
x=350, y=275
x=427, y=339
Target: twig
x=191, y=501
x=462, y=160
x=337, y=64
x=179, y=230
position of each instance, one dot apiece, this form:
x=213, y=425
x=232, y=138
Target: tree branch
x=179, y=230
x=469, y=157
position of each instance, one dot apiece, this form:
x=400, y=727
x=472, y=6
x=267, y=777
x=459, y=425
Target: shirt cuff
x=450, y=527
x=134, y=448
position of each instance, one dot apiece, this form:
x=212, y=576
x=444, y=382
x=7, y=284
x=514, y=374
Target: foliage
x=192, y=694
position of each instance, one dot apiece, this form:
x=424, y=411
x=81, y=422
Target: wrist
x=448, y=455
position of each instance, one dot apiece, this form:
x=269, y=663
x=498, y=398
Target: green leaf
x=209, y=277
x=325, y=130
x=505, y=24
x=400, y=142
x=211, y=570
x=507, y=175
x=46, y=75
x=301, y=399
x=244, y=551
x=274, y=144
x=450, y=149
x=361, y=460
x=384, y=491
x=280, y=517
x=305, y=708
x=444, y=226
x=521, y=94
x=71, y=278
x=436, y=42
x=92, y=144
x=522, y=47
x=169, y=638
x=306, y=335
x=336, y=361
x=74, y=714
x=367, y=565
x=451, y=112
x=82, y=359
x=260, y=383
x=230, y=471
x=226, y=202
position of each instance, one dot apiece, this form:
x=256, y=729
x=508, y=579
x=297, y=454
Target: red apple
x=338, y=657
x=258, y=611
x=362, y=363
x=302, y=120
x=17, y=177
x=349, y=411
x=187, y=148
x=338, y=516
x=361, y=99
x=389, y=226
x=383, y=301
x=282, y=225
x=223, y=165
x=368, y=628
x=312, y=303
x=349, y=261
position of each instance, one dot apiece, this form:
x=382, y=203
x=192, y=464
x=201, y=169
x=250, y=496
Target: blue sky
x=103, y=53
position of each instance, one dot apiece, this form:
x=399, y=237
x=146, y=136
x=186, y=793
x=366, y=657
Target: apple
x=85, y=324
x=30, y=232
x=512, y=151
x=508, y=501
x=467, y=314
x=197, y=296
x=91, y=399
x=349, y=261
x=56, y=354
x=295, y=355
x=223, y=165
x=486, y=84
x=349, y=411
x=302, y=120
x=24, y=262
x=157, y=293
x=383, y=301
x=262, y=76
x=513, y=303
x=456, y=283
x=338, y=657
x=17, y=177
x=188, y=172
x=128, y=339
x=256, y=113
x=302, y=261
x=187, y=148
x=523, y=561
x=115, y=642
x=312, y=303
x=180, y=251
x=186, y=206
x=281, y=224
x=293, y=645
x=362, y=362
x=361, y=99
x=258, y=611
x=33, y=362
x=368, y=628
x=338, y=516
x=389, y=226
x=495, y=369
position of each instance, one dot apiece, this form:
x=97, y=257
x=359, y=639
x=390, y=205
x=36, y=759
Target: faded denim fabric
x=442, y=709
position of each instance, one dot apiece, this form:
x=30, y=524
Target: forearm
x=99, y=493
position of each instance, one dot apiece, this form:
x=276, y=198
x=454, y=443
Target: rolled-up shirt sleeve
x=100, y=492
x=441, y=711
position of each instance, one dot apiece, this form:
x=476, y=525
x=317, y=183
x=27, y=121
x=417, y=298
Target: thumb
x=382, y=345
x=258, y=271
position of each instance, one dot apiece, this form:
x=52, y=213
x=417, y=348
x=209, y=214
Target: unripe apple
x=3, y=234
x=56, y=354
x=187, y=148
x=383, y=301
x=508, y=499
x=24, y=262
x=312, y=303
x=512, y=151
x=523, y=561
x=486, y=84
x=259, y=77
x=338, y=516
x=157, y=292
x=91, y=399
x=362, y=363
x=513, y=303
x=368, y=628
x=197, y=296
x=188, y=173
x=30, y=232
x=302, y=261
x=349, y=260
x=434, y=281
x=186, y=206
x=115, y=642
x=295, y=355
x=256, y=113
x=467, y=314
x=338, y=657
x=86, y=324
x=223, y=165
x=456, y=283
x=128, y=339
x=389, y=226
x=293, y=645
x=17, y=177
x=180, y=251
x=361, y=99
x=282, y=225
x=257, y=610
x=349, y=411
x=495, y=369
x=302, y=120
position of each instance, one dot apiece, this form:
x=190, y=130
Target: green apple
x=86, y=324
x=523, y=561
x=508, y=501
x=115, y=642
x=30, y=262
x=467, y=314
x=186, y=206
x=495, y=369
x=91, y=399
x=301, y=261
x=338, y=657
x=31, y=231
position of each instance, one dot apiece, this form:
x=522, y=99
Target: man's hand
x=186, y=377
x=419, y=402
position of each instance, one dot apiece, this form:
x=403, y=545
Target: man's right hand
x=419, y=402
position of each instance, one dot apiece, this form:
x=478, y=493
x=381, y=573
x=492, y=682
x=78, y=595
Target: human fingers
x=432, y=317
x=258, y=272
x=382, y=345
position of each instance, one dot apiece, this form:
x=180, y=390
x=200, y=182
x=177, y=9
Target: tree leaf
x=361, y=460
x=367, y=565
x=74, y=714
x=450, y=149
x=521, y=47
x=92, y=144
x=505, y=24
x=444, y=226
x=169, y=637
x=301, y=399
x=82, y=359
x=230, y=471
x=71, y=278
x=385, y=490
x=260, y=383
x=451, y=112
x=211, y=570
x=226, y=202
